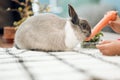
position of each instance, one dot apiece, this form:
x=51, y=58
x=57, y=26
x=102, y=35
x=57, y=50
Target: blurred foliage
x=42, y=7
x=25, y=11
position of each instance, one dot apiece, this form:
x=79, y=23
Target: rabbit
x=49, y=32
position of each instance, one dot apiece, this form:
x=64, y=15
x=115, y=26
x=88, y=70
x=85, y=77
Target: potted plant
x=8, y=35
x=25, y=11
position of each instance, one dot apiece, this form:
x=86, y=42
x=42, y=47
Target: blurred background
x=91, y=10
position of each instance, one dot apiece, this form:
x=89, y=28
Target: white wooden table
x=83, y=64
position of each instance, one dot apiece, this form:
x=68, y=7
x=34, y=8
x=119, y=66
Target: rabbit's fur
x=49, y=32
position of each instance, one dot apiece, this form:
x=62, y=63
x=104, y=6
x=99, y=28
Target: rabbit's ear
x=73, y=15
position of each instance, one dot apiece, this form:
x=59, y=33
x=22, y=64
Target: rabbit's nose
x=88, y=35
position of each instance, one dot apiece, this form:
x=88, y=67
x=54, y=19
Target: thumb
x=104, y=42
x=101, y=47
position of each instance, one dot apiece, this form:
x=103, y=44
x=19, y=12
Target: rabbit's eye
x=83, y=26
x=84, y=31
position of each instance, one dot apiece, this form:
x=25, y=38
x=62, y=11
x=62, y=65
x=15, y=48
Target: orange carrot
x=110, y=16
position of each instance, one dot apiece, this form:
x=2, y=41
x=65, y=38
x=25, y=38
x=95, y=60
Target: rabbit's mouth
x=87, y=35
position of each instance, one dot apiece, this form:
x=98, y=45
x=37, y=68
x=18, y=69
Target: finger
x=100, y=47
x=111, y=24
x=118, y=18
x=105, y=52
x=104, y=42
x=114, y=23
x=103, y=45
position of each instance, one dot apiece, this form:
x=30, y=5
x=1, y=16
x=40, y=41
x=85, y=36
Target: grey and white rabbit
x=49, y=32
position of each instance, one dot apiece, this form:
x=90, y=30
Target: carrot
x=110, y=16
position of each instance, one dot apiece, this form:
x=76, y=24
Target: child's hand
x=115, y=25
x=110, y=48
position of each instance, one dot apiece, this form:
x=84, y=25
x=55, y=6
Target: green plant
x=96, y=38
x=25, y=10
x=93, y=42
